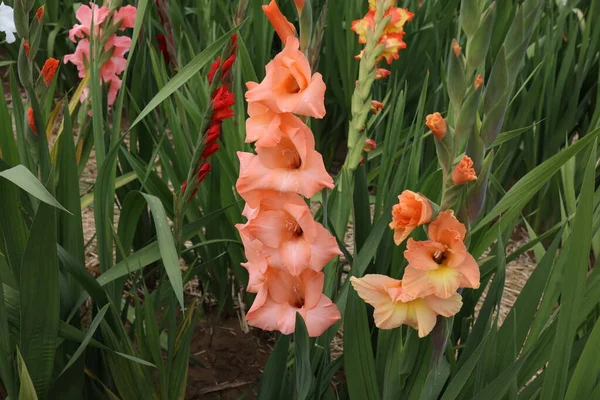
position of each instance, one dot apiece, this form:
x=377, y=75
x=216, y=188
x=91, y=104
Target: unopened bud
x=436, y=124
x=49, y=70
x=31, y=120
x=382, y=73
x=370, y=145
x=376, y=106
x=26, y=47
x=39, y=14
x=456, y=48
x=478, y=81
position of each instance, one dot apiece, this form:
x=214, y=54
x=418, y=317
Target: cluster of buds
x=382, y=32
x=222, y=101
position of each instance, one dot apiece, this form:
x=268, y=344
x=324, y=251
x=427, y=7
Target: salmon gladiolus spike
x=442, y=264
x=282, y=295
x=464, y=172
x=394, y=307
x=411, y=211
x=288, y=86
x=291, y=165
x=282, y=26
x=292, y=239
x=49, y=70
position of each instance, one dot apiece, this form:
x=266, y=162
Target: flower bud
x=464, y=172
x=299, y=5
x=411, y=211
x=370, y=145
x=456, y=49
x=456, y=75
x=26, y=47
x=49, y=70
x=376, y=106
x=31, y=121
x=282, y=26
x=39, y=14
x=478, y=81
x=436, y=124
x=382, y=73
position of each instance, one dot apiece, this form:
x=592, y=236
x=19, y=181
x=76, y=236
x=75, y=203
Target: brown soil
x=226, y=363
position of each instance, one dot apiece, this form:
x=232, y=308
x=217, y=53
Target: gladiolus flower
x=282, y=26
x=411, y=211
x=292, y=165
x=88, y=16
x=49, y=70
x=394, y=306
x=223, y=100
x=436, y=124
x=7, y=22
x=26, y=47
x=39, y=14
x=288, y=85
x=393, y=44
x=292, y=239
x=126, y=16
x=464, y=172
x=31, y=120
x=283, y=295
x=370, y=145
x=382, y=73
x=442, y=264
x=376, y=106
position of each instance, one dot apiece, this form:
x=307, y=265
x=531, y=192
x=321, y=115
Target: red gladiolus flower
x=200, y=175
x=223, y=100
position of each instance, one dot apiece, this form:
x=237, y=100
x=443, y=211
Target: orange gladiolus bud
x=456, y=48
x=464, y=172
x=437, y=124
x=478, y=81
x=382, y=73
x=370, y=145
x=31, y=120
x=376, y=106
x=282, y=26
x=299, y=5
x=49, y=70
x=26, y=47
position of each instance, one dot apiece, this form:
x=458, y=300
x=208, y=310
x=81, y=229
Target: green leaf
x=6, y=348
x=273, y=379
x=573, y=286
x=586, y=372
x=166, y=246
x=498, y=387
x=304, y=375
x=27, y=390
x=88, y=337
x=23, y=178
x=185, y=74
x=358, y=358
x=40, y=299
x=461, y=377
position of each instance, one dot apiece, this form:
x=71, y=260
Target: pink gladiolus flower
x=292, y=239
x=126, y=15
x=292, y=165
x=442, y=264
x=395, y=307
x=84, y=15
x=288, y=86
x=282, y=295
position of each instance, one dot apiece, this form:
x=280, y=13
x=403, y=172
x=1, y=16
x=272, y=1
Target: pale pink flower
x=84, y=16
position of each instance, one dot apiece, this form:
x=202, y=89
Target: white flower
x=7, y=22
